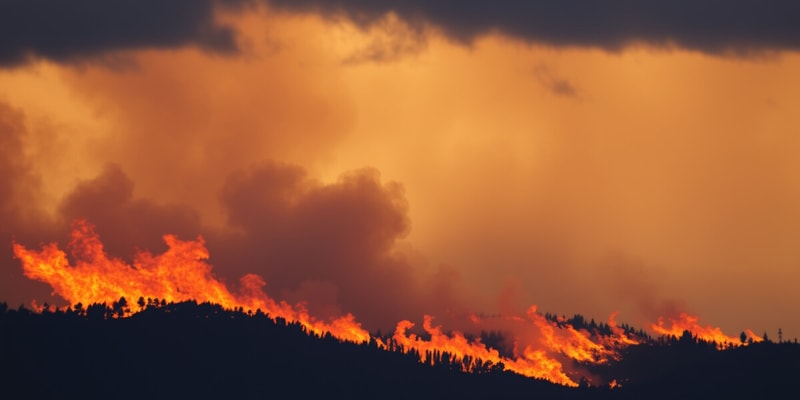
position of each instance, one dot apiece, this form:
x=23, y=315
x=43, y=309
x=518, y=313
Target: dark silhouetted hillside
x=202, y=351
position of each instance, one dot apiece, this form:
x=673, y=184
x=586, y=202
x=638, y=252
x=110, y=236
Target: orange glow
x=179, y=274
x=686, y=322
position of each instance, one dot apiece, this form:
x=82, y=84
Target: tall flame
x=179, y=274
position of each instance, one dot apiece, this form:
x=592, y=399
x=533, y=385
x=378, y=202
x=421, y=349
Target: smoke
x=521, y=166
x=126, y=223
x=330, y=246
x=235, y=173
x=303, y=235
x=22, y=219
x=637, y=284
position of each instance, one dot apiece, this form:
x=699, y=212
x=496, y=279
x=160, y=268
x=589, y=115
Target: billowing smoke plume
x=331, y=246
x=523, y=166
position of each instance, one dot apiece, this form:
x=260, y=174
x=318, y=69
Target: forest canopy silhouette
x=204, y=350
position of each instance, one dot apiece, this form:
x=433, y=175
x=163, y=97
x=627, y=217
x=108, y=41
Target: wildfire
x=179, y=274
x=537, y=358
x=686, y=322
x=533, y=363
x=619, y=338
x=182, y=273
x=573, y=343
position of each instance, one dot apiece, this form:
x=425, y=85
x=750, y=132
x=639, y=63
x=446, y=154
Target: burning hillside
x=554, y=350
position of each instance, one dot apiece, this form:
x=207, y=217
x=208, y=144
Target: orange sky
x=502, y=173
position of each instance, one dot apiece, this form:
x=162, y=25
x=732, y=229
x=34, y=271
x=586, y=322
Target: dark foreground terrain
x=200, y=351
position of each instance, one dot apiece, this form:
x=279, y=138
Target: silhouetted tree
x=687, y=338
x=79, y=308
x=120, y=307
x=97, y=311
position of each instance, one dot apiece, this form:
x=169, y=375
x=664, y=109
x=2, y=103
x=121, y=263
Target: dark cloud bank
x=69, y=30
x=710, y=26
x=73, y=29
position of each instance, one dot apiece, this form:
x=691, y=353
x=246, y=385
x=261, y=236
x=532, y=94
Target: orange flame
x=686, y=322
x=566, y=339
x=179, y=274
x=619, y=338
x=533, y=364
x=537, y=359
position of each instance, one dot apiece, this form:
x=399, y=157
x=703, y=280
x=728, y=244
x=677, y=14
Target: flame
x=534, y=364
x=179, y=274
x=686, y=322
x=619, y=338
x=567, y=340
x=182, y=273
x=539, y=355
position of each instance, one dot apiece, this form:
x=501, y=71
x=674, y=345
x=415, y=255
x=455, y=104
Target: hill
x=203, y=351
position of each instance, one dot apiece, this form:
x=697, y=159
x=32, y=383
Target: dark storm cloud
x=73, y=30
x=717, y=26
x=68, y=30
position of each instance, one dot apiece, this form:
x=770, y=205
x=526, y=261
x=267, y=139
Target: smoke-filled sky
x=395, y=158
